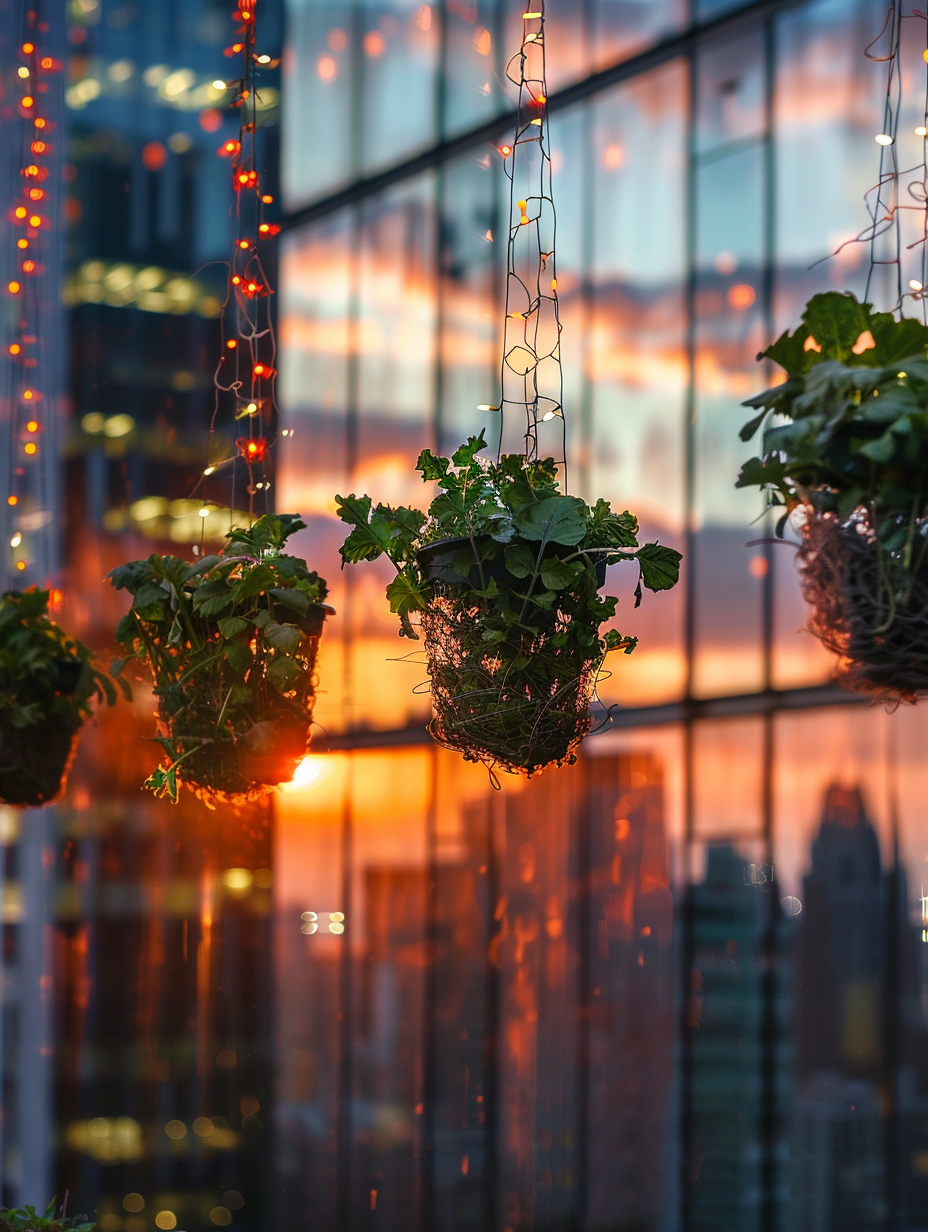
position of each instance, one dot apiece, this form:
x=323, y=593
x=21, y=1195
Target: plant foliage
x=848, y=428
x=845, y=437
x=231, y=643
x=48, y=683
x=25, y=1219
x=518, y=635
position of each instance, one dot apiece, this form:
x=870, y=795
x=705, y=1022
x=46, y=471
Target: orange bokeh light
x=15, y=348
x=20, y=211
x=35, y=220
x=31, y=447
x=12, y=500
x=28, y=101
x=28, y=49
x=13, y=287
x=154, y=156
x=32, y=426
x=741, y=295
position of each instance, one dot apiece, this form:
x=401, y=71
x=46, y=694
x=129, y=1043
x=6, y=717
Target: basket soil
x=882, y=646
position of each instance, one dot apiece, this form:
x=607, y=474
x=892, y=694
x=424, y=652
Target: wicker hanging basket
x=225, y=766
x=881, y=640
x=522, y=704
x=35, y=760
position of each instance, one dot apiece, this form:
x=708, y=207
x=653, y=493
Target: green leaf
x=836, y=322
x=202, y=566
x=557, y=519
x=254, y=581
x=880, y=450
x=405, y=595
x=465, y=455
x=283, y=673
x=431, y=467
x=520, y=559
x=660, y=566
x=212, y=607
x=285, y=638
x=293, y=599
x=560, y=575
x=238, y=656
x=232, y=626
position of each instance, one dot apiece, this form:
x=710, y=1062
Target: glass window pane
x=316, y=273
x=730, y=89
x=318, y=88
x=394, y=348
x=473, y=258
x=474, y=62
x=623, y=27
x=399, y=42
x=730, y=330
x=635, y=354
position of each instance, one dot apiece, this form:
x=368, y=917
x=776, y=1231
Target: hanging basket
x=522, y=704
x=231, y=643
x=47, y=684
x=34, y=761
x=228, y=766
x=881, y=642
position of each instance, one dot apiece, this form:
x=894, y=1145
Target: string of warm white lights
x=29, y=348
x=531, y=377
x=898, y=190
x=246, y=373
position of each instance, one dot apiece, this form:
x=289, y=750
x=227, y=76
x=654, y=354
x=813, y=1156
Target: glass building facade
x=680, y=986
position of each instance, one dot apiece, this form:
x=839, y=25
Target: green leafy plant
x=501, y=573
x=231, y=644
x=25, y=1219
x=845, y=441
x=48, y=684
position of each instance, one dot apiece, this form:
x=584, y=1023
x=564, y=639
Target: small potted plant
x=25, y=1219
x=231, y=644
x=48, y=683
x=845, y=450
x=503, y=574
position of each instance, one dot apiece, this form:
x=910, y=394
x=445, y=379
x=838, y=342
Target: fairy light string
x=531, y=376
x=899, y=190
x=245, y=375
x=30, y=292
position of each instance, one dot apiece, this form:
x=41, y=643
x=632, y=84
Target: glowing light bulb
x=204, y=511
x=22, y=71
x=231, y=344
x=30, y=447
x=883, y=139
x=485, y=406
x=209, y=470
x=13, y=287
x=220, y=85
x=921, y=131
x=12, y=500
x=915, y=285
x=32, y=426
x=16, y=540
x=15, y=348
x=20, y=211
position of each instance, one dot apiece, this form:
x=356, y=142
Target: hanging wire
x=30, y=346
x=246, y=372
x=897, y=190
x=531, y=376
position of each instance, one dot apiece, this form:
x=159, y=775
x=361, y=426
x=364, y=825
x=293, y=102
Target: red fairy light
x=245, y=179
x=229, y=149
x=252, y=448
x=264, y=372
x=268, y=229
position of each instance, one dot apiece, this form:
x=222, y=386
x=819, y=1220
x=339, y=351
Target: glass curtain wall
x=683, y=984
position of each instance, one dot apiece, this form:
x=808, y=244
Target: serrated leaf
x=283, y=673
x=209, y=608
x=660, y=566
x=557, y=519
x=405, y=595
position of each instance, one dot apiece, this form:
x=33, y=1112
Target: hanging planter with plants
x=48, y=684
x=503, y=574
x=231, y=644
x=851, y=461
